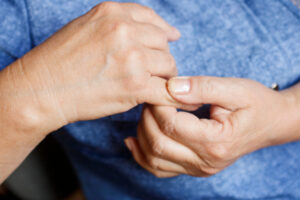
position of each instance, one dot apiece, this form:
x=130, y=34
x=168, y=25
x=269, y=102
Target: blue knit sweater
x=256, y=39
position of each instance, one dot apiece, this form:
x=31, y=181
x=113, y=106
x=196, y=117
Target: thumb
x=224, y=92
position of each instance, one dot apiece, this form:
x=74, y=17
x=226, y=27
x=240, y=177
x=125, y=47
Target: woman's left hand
x=245, y=116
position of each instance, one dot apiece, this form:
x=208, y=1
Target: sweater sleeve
x=15, y=36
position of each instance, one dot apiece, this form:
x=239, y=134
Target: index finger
x=186, y=128
x=156, y=93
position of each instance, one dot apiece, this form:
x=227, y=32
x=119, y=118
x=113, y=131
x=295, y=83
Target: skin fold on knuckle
x=167, y=127
x=218, y=152
x=165, y=124
x=121, y=30
x=201, y=168
x=133, y=57
x=153, y=162
x=104, y=9
x=157, y=146
x=203, y=86
x=107, y=7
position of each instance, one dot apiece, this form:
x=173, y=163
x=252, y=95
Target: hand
x=244, y=116
x=107, y=61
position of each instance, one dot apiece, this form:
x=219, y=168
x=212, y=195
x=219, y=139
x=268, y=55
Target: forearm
x=24, y=119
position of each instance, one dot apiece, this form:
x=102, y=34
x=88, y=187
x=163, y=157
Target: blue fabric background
x=256, y=39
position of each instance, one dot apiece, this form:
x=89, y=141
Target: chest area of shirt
x=228, y=38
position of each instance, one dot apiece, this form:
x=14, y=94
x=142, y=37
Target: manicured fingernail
x=179, y=85
x=128, y=144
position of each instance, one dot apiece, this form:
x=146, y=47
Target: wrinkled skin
x=244, y=116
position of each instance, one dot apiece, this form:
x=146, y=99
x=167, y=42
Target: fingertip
x=129, y=142
x=174, y=34
x=135, y=150
x=177, y=32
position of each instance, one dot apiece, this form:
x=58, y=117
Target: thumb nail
x=179, y=85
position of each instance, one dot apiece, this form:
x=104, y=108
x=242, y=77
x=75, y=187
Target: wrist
x=24, y=109
x=290, y=116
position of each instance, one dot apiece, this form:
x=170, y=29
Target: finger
x=157, y=158
x=147, y=15
x=218, y=113
x=155, y=92
x=187, y=129
x=156, y=144
x=223, y=92
x=134, y=147
x=160, y=63
x=151, y=36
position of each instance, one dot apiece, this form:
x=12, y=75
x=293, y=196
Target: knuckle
x=107, y=7
x=203, y=170
x=230, y=125
x=121, y=29
x=208, y=87
x=157, y=147
x=196, y=165
x=209, y=171
x=149, y=11
x=153, y=163
x=134, y=83
x=167, y=127
x=218, y=152
x=204, y=86
x=134, y=56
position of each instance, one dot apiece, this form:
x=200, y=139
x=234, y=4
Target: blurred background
x=46, y=174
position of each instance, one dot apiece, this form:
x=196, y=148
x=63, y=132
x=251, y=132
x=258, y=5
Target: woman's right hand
x=105, y=62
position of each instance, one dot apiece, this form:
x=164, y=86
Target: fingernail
x=128, y=144
x=179, y=85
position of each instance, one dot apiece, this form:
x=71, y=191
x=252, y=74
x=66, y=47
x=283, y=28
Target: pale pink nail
x=179, y=85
